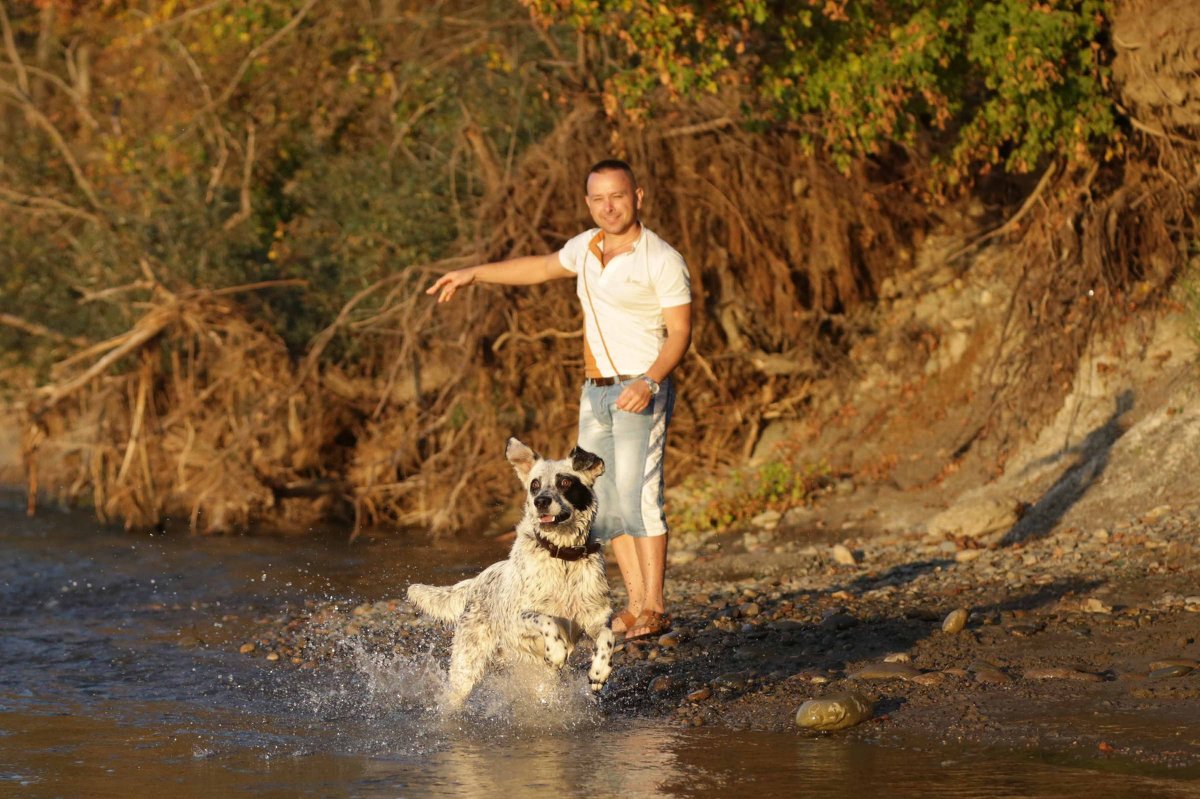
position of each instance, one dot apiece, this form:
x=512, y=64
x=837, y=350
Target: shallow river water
x=120, y=676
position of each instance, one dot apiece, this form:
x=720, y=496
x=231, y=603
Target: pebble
x=1167, y=672
x=897, y=657
x=246, y=649
x=836, y=712
x=886, y=671
x=669, y=640
x=929, y=678
x=1024, y=629
x=767, y=520
x=955, y=621
x=992, y=677
x=1094, y=605
x=662, y=684
x=843, y=555
x=700, y=694
x=732, y=681
x=812, y=675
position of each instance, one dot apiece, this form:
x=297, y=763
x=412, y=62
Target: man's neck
x=620, y=240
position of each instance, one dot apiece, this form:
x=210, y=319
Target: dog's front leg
x=469, y=656
x=556, y=647
x=599, y=631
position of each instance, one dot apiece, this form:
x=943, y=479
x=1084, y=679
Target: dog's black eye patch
x=535, y=486
x=579, y=495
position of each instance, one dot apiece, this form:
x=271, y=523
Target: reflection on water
x=120, y=676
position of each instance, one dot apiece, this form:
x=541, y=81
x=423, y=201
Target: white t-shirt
x=626, y=299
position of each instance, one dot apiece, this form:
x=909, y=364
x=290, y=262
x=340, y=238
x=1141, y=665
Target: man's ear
x=520, y=456
x=585, y=462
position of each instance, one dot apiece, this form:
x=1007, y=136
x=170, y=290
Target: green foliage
x=995, y=84
x=774, y=485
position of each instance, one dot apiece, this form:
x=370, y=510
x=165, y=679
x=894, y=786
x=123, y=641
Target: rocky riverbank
x=1047, y=603
x=1082, y=643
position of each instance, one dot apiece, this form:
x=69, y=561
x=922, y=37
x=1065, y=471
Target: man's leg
x=652, y=563
x=639, y=444
x=596, y=408
x=628, y=555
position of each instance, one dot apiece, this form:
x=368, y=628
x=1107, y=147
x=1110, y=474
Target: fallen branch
x=147, y=328
x=41, y=330
x=696, y=129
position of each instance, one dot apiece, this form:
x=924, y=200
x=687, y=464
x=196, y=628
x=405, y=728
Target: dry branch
x=41, y=330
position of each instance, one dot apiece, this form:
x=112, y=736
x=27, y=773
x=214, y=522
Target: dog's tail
x=442, y=602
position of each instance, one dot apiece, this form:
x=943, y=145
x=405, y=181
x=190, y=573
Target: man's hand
x=635, y=397
x=451, y=282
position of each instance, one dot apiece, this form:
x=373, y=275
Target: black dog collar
x=567, y=553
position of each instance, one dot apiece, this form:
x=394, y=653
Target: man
x=637, y=304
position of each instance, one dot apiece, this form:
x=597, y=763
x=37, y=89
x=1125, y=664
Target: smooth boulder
x=835, y=712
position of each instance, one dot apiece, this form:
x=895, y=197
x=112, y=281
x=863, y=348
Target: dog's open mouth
x=550, y=521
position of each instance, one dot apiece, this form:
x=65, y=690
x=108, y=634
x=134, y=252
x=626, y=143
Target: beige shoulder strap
x=596, y=319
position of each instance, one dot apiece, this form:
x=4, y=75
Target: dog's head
x=558, y=494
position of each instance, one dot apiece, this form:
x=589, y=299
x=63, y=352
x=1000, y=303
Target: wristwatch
x=650, y=381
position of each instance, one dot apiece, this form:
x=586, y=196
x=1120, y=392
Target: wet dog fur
x=533, y=606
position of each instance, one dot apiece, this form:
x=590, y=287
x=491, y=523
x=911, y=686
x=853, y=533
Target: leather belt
x=609, y=381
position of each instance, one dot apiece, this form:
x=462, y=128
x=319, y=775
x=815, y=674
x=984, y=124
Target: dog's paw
x=602, y=660
x=556, y=654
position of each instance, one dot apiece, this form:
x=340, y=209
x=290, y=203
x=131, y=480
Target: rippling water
x=120, y=676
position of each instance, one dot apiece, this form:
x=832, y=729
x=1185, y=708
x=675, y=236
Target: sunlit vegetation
x=219, y=217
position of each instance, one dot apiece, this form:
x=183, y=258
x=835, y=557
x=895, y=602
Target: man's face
x=613, y=201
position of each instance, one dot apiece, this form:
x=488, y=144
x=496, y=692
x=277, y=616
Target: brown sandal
x=627, y=620
x=651, y=623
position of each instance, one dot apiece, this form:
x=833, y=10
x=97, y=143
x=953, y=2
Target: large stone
x=843, y=555
x=836, y=712
x=955, y=621
x=975, y=519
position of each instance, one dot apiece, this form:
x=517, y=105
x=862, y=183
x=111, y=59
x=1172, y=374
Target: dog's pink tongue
x=545, y=519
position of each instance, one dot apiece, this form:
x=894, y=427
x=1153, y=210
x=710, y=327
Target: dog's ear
x=520, y=456
x=585, y=462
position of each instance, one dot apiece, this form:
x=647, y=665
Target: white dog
x=534, y=605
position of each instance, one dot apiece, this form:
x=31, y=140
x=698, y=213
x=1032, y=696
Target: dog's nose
x=541, y=502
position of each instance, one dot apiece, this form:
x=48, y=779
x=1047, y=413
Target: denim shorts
x=632, y=446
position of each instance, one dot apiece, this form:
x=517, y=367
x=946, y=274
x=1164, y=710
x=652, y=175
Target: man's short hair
x=610, y=165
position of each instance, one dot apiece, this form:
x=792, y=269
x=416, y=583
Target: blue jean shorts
x=632, y=446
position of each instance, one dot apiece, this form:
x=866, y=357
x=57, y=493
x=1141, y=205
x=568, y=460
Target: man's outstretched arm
x=524, y=271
